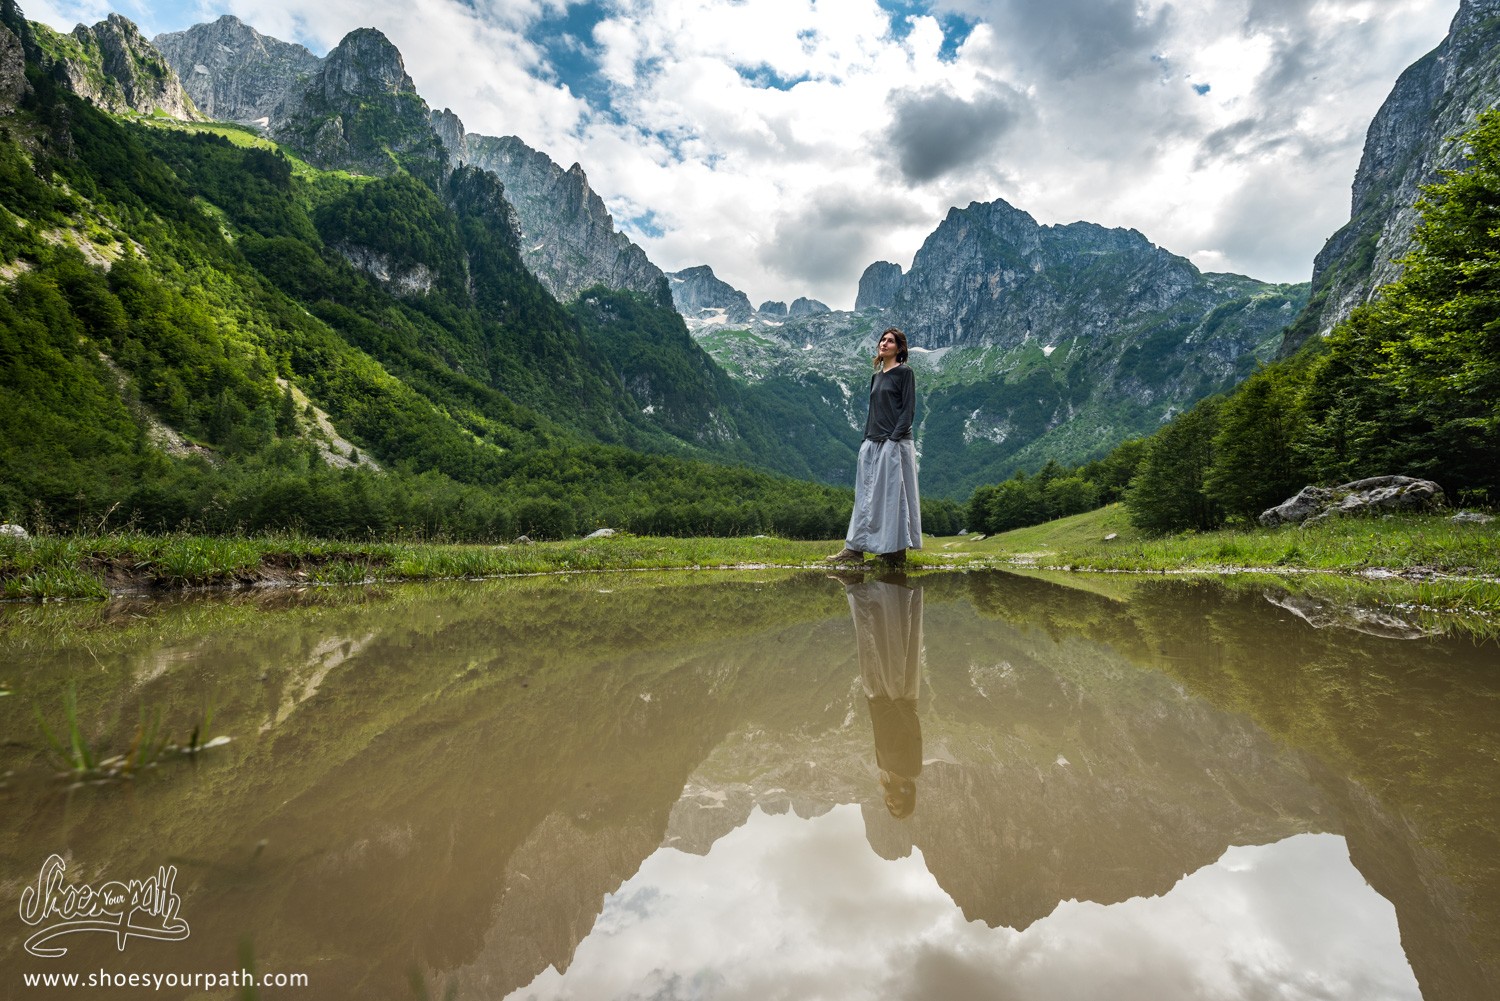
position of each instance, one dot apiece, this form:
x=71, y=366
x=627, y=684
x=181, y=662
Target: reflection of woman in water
x=888, y=630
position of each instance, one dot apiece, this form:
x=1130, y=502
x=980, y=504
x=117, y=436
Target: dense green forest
x=1409, y=384
x=162, y=280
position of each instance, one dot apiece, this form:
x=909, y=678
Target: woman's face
x=887, y=348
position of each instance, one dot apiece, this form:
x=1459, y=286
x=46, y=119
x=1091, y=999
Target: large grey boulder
x=1375, y=493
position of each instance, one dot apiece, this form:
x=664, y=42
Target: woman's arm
x=907, y=399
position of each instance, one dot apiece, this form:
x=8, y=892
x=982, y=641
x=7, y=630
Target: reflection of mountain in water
x=1059, y=771
x=459, y=796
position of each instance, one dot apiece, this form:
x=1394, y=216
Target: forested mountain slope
x=194, y=285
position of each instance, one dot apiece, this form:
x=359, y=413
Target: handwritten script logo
x=144, y=908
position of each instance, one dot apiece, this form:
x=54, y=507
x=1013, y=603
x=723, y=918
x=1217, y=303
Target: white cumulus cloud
x=790, y=143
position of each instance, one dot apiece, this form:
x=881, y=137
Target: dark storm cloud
x=935, y=132
x=1100, y=69
x=1260, y=138
x=1062, y=39
x=832, y=241
x=1304, y=47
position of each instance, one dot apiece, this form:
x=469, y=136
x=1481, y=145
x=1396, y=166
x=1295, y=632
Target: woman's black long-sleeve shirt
x=893, y=405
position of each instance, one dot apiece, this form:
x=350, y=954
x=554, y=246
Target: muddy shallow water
x=757, y=785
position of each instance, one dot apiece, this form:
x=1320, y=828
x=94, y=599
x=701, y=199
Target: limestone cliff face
x=568, y=238
x=1407, y=145
x=878, y=286
x=233, y=72
x=13, y=85
x=114, y=66
x=361, y=112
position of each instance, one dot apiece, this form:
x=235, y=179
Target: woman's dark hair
x=902, y=351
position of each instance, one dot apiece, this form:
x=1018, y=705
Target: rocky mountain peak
x=361, y=112
x=450, y=129
x=697, y=290
x=233, y=72
x=568, y=238
x=878, y=286
x=113, y=65
x=364, y=63
x=991, y=275
x=804, y=307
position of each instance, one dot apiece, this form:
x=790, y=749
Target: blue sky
x=791, y=143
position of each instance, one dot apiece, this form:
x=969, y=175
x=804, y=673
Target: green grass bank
x=1461, y=560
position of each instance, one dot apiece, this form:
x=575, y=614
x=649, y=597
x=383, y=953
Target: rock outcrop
x=13, y=83
x=1373, y=494
x=878, y=286
x=1408, y=144
x=114, y=66
x=361, y=112
x=772, y=307
x=233, y=72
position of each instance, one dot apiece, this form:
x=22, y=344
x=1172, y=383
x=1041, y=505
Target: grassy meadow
x=1417, y=560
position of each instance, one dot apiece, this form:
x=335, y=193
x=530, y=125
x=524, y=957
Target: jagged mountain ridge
x=113, y=65
x=568, y=241
x=1031, y=342
x=1407, y=146
x=396, y=302
x=360, y=111
x=969, y=290
x=568, y=237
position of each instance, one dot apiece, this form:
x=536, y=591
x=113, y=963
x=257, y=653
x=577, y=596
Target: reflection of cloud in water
x=789, y=908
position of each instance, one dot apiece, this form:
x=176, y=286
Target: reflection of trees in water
x=1401, y=733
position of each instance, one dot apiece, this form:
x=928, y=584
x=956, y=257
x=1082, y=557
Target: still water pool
x=752, y=785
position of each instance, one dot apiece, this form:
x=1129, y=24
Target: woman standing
x=887, y=517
